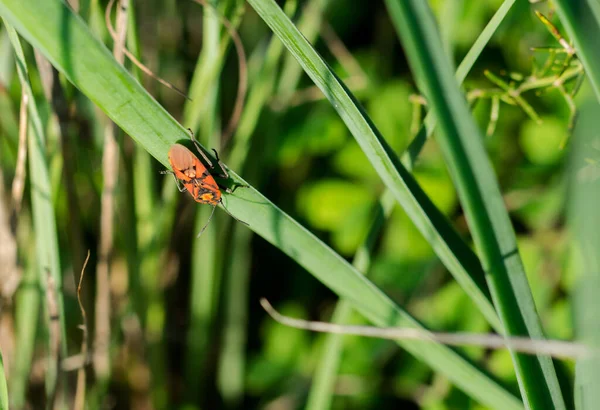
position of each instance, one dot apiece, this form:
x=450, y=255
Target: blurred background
x=186, y=328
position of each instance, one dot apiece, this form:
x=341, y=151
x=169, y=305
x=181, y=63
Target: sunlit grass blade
x=44, y=223
x=130, y=106
x=584, y=221
x=415, y=147
x=480, y=196
x=309, y=24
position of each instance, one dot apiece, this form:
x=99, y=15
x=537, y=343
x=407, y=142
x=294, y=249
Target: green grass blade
x=415, y=147
x=232, y=363
x=3, y=387
x=44, y=222
x=68, y=44
x=480, y=195
x=583, y=27
x=27, y=312
x=584, y=221
x=482, y=40
x=309, y=24
x=448, y=245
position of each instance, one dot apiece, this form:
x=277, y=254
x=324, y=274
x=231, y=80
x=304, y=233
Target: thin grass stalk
x=55, y=95
x=18, y=185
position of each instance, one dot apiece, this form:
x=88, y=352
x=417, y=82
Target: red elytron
x=190, y=172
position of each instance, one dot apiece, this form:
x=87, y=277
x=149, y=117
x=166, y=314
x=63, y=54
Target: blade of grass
x=7, y=66
x=322, y=387
x=3, y=387
x=232, y=363
x=27, y=310
x=415, y=147
x=309, y=25
x=461, y=143
x=52, y=28
x=583, y=221
x=44, y=223
x=583, y=27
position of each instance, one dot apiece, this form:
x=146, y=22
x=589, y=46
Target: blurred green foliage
x=304, y=159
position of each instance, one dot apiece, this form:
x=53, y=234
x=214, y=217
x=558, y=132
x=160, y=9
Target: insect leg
x=199, y=148
x=230, y=214
x=207, y=222
x=225, y=174
x=229, y=190
x=180, y=187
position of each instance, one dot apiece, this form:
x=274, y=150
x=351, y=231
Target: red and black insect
x=190, y=174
